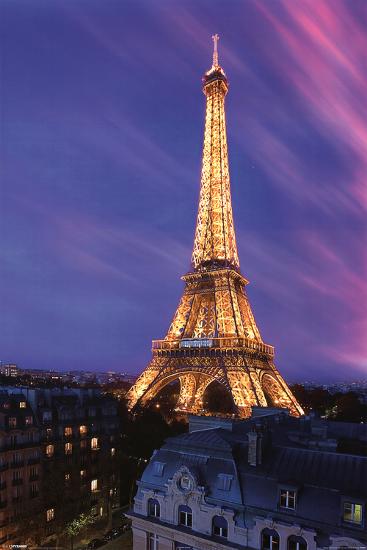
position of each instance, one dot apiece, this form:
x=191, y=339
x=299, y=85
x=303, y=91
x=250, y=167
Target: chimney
x=254, y=447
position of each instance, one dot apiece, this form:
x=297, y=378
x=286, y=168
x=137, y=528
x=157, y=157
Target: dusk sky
x=102, y=119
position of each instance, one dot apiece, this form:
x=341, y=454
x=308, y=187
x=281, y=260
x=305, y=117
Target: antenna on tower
x=215, y=38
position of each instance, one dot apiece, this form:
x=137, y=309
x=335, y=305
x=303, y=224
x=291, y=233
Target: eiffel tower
x=213, y=335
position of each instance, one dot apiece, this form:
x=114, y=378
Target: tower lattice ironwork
x=213, y=335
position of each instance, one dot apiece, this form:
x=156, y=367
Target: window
x=47, y=416
x=68, y=431
x=158, y=468
x=94, y=443
x=224, y=482
x=296, y=543
x=94, y=485
x=269, y=540
x=83, y=473
x=33, y=491
x=50, y=514
x=67, y=476
x=83, y=444
x=182, y=546
x=49, y=451
x=185, y=516
x=12, y=422
x=48, y=433
x=352, y=512
x=113, y=451
x=83, y=430
x=22, y=404
x=153, y=541
x=154, y=509
x=288, y=499
x=68, y=448
x=220, y=526
x=28, y=420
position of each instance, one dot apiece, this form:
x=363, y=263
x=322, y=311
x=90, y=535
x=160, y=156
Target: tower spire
x=215, y=38
x=215, y=241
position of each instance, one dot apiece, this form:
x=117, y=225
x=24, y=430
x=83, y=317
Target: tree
x=75, y=526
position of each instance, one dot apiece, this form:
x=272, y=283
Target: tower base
x=250, y=377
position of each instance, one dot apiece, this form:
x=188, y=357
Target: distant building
x=58, y=458
x=271, y=482
x=9, y=369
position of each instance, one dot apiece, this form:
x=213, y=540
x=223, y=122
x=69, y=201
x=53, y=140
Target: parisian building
x=58, y=458
x=271, y=482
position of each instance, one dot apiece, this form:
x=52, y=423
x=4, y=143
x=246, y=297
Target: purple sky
x=101, y=135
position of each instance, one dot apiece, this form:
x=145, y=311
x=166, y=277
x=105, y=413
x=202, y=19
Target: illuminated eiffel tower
x=213, y=335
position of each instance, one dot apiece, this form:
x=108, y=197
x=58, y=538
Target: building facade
x=270, y=483
x=58, y=458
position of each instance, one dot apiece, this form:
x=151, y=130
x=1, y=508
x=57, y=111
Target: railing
x=213, y=343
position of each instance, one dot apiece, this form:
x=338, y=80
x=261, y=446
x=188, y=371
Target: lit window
x=22, y=404
x=113, y=451
x=296, y=543
x=68, y=448
x=50, y=514
x=153, y=541
x=12, y=422
x=83, y=473
x=220, y=526
x=48, y=433
x=94, y=443
x=352, y=512
x=49, y=450
x=28, y=420
x=185, y=516
x=68, y=431
x=67, y=477
x=269, y=540
x=154, y=508
x=288, y=499
x=94, y=485
x=83, y=430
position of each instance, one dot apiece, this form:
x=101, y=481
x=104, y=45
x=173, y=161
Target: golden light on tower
x=213, y=335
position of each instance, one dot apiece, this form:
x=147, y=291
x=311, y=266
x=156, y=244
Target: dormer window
x=22, y=404
x=220, y=527
x=352, y=513
x=224, y=482
x=154, y=509
x=158, y=468
x=185, y=516
x=269, y=540
x=287, y=499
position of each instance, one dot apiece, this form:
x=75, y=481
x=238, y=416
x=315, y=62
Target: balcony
x=220, y=344
x=17, y=464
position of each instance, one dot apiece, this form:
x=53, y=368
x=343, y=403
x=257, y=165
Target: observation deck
x=222, y=344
